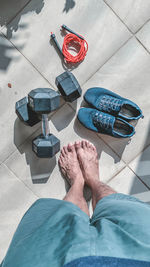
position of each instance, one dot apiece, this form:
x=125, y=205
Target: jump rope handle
x=69, y=30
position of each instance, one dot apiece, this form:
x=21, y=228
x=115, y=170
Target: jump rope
x=71, y=39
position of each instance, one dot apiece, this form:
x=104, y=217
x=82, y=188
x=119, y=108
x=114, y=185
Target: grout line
x=134, y=174
x=142, y=45
x=133, y=33
x=28, y=60
x=138, y=177
x=107, y=60
x=144, y=148
x=118, y=16
x=19, y=146
x=21, y=180
x=127, y=163
x=112, y=149
x=142, y=26
x=116, y=174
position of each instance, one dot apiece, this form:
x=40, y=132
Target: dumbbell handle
x=45, y=125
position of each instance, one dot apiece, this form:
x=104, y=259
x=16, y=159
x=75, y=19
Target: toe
x=63, y=154
x=60, y=158
x=70, y=147
x=77, y=145
x=94, y=148
x=84, y=144
x=65, y=149
x=90, y=145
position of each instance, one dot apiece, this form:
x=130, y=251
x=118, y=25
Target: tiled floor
x=118, y=59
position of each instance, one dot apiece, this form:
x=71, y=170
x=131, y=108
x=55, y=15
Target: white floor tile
x=43, y=175
x=96, y=22
x=133, y=13
x=145, y=197
x=126, y=182
x=144, y=35
x=17, y=71
x=127, y=74
x=15, y=199
x=141, y=166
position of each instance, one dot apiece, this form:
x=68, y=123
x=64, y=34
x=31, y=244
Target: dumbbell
x=45, y=145
x=43, y=101
x=68, y=86
x=39, y=103
x=39, y=100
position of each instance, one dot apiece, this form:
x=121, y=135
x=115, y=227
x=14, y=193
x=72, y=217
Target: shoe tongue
x=109, y=104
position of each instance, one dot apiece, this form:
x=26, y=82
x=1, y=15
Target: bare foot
x=88, y=159
x=69, y=165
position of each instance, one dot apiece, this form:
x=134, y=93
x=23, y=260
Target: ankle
x=93, y=184
x=78, y=184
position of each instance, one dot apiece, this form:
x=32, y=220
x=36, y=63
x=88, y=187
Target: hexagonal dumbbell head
x=25, y=113
x=68, y=86
x=46, y=147
x=44, y=100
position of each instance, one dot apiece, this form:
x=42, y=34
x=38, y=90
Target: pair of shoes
x=110, y=113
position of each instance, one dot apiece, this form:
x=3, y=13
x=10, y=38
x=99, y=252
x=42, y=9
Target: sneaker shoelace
x=101, y=121
x=109, y=103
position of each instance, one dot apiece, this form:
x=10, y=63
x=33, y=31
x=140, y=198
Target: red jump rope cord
x=70, y=39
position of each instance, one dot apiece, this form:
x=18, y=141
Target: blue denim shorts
x=54, y=232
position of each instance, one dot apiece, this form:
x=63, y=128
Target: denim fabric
x=55, y=232
x=106, y=262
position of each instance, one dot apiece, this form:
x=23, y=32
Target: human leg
x=71, y=170
x=88, y=160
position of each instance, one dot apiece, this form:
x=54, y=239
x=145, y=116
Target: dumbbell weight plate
x=25, y=113
x=44, y=100
x=68, y=86
x=46, y=147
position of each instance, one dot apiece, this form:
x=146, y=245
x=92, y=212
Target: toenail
x=77, y=142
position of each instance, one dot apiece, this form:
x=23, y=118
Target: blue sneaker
x=109, y=102
x=105, y=123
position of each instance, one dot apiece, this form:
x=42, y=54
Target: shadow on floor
x=64, y=117
x=69, y=4
x=40, y=169
x=143, y=169
x=13, y=25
